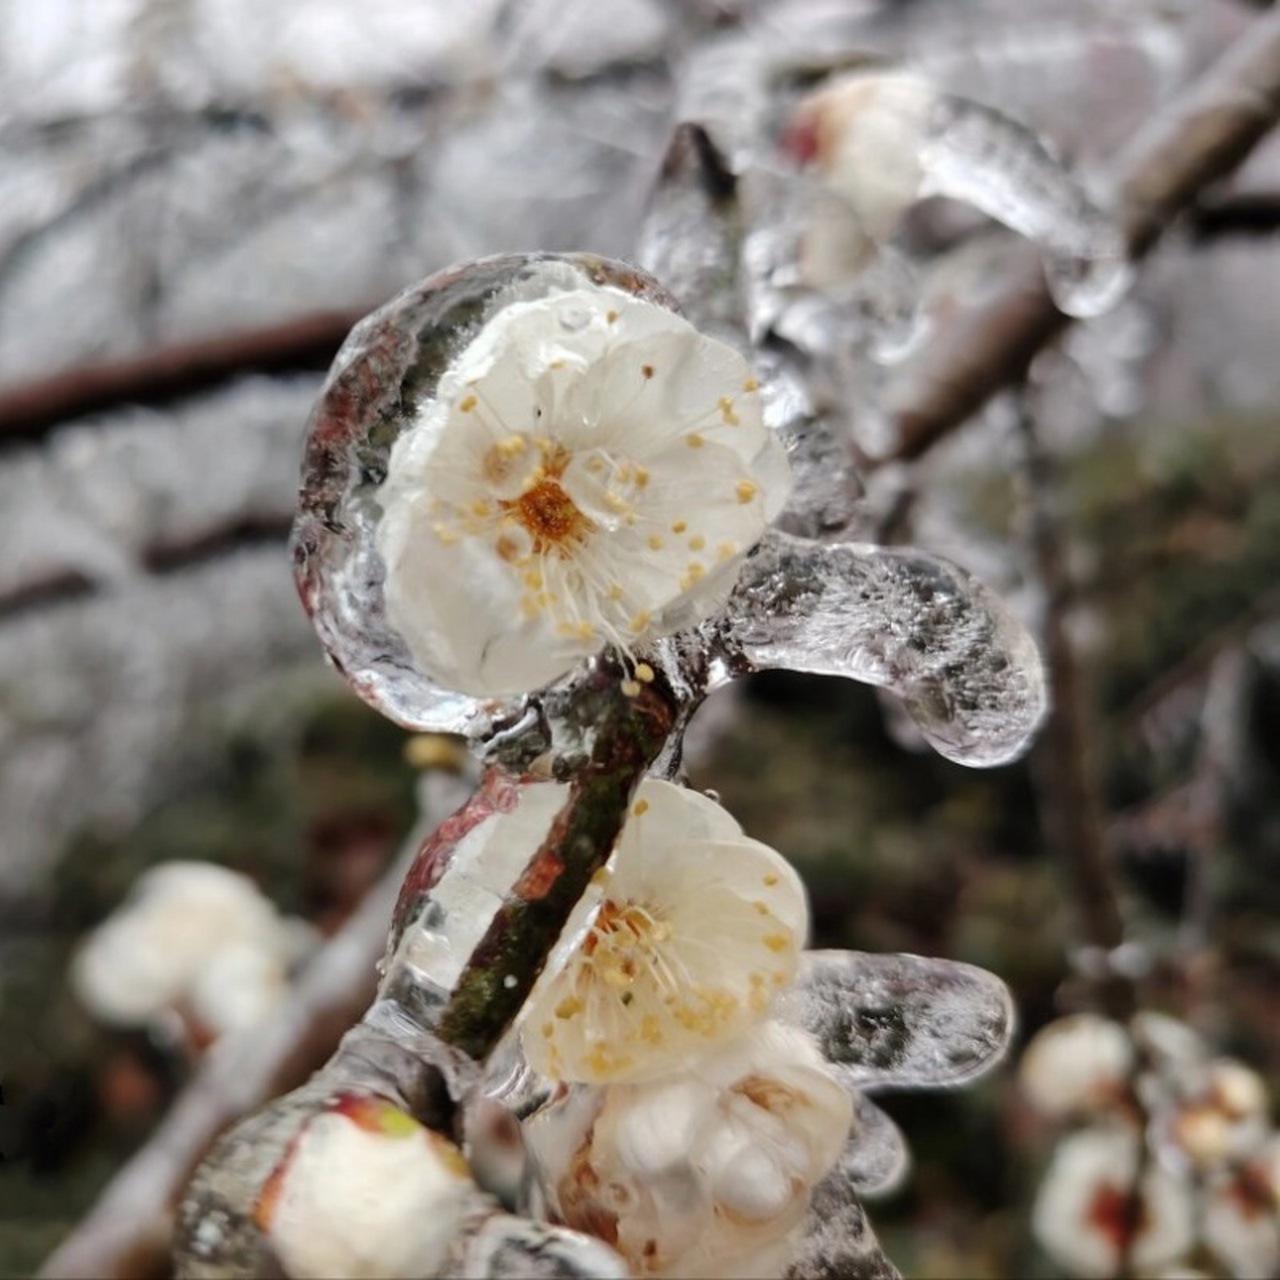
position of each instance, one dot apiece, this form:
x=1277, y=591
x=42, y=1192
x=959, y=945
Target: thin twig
x=1065, y=757
x=1194, y=141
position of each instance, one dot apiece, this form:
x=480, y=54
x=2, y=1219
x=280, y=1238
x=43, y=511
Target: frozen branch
x=1198, y=139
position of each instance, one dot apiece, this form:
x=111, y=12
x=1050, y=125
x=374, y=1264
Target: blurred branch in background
x=128, y=1232
x=168, y=373
x=1188, y=145
x=1065, y=757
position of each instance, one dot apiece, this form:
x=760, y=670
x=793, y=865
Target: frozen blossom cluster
x=569, y=510
x=543, y=509
x=1167, y=1163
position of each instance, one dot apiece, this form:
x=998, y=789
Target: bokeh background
x=198, y=197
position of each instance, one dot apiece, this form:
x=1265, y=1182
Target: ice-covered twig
x=419, y=1046
x=1199, y=138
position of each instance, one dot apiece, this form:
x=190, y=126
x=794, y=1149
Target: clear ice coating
x=876, y=1159
x=388, y=367
x=901, y=1021
x=818, y=279
x=508, y=1247
x=886, y=140
x=838, y=1240
x=979, y=156
x=966, y=670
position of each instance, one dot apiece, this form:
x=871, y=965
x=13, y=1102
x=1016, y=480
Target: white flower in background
x=1081, y=1063
x=681, y=942
x=1223, y=1114
x=156, y=950
x=1082, y=1212
x=707, y=1171
x=366, y=1191
x=864, y=134
x=1242, y=1214
x=591, y=471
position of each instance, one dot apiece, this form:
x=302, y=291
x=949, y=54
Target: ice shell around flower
x=366, y=1192
x=1080, y=1214
x=706, y=1172
x=682, y=941
x=865, y=133
x=591, y=471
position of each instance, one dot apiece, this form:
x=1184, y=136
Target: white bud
x=1080, y=1063
x=146, y=957
x=367, y=1192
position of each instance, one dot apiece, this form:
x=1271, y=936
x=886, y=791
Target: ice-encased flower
x=864, y=133
x=1082, y=1215
x=705, y=1172
x=681, y=942
x=1080, y=1063
x=151, y=954
x=591, y=471
x=366, y=1191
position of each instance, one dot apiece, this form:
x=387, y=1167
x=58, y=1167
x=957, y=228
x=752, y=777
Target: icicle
x=885, y=141
x=838, y=1239
x=877, y=1159
x=965, y=668
x=902, y=1021
x=979, y=156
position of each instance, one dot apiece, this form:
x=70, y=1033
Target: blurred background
x=197, y=199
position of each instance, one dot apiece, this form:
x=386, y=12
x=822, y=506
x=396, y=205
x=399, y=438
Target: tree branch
x=127, y=1234
x=27, y=410
x=1201, y=137
x=1065, y=758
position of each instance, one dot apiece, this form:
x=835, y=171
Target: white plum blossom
x=590, y=471
x=864, y=135
x=1242, y=1227
x=195, y=937
x=365, y=1191
x=1082, y=1214
x=681, y=942
x=1223, y=1115
x=706, y=1171
x=1080, y=1063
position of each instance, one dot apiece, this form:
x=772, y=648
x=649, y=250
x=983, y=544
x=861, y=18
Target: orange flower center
x=550, y=516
